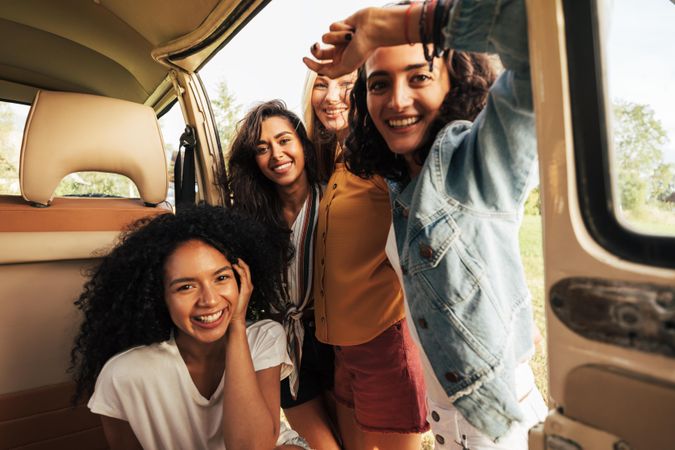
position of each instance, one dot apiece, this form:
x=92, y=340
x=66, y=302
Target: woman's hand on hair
x=351, y=41
x=245, y=290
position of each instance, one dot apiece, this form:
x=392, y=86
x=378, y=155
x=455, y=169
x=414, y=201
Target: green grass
x=651, y=220
x=531, y=251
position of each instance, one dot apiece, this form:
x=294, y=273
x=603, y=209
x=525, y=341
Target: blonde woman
x=379, y=383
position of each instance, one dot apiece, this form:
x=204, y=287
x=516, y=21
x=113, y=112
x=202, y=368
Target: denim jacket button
x=452, y=377
x=435, y=416
x=422, y=322
x=405, y=212
x=426, y=251
x=440, y=439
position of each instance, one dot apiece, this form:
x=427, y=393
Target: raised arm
x=352, y=40
x=250, y=399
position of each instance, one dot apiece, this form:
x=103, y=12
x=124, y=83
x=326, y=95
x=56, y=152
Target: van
x=105, y=119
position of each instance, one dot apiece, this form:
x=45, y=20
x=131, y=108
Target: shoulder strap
x=184, y=169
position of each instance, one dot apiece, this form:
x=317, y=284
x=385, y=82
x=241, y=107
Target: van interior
x=92, y=81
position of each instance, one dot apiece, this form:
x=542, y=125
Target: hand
x=344, y=55
x=351, y=41
x=245, y=290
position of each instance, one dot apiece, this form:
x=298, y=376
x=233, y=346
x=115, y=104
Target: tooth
x=403, y=122
x=209, y=318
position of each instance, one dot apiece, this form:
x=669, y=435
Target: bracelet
x=436, y=29
x=406, y=23
x=440, y=18
x=430, y=20
x=423, y=36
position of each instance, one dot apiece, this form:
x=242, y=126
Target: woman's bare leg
x=392, y=441
x=352, y=436
x=311, y=421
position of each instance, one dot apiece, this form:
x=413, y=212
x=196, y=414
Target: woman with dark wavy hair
x=164, y=349
x=470, y=76
x=272, y=176
x=459, y=154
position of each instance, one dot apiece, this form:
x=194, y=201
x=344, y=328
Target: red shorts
x=383, y=382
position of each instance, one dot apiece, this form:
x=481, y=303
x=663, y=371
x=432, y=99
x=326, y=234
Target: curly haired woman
x=164, y=350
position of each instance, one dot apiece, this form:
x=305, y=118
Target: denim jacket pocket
x=439, y=246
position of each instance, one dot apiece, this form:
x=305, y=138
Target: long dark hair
x=246, y=188
x=367, y=153
x=123, y=302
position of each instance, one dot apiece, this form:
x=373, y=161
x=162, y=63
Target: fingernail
x=348, y=37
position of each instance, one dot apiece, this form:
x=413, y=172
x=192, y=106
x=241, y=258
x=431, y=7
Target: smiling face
x=200, y=292
x=279, y=153
x=330, y=101
x=404, y=97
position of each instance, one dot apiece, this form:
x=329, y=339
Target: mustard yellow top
x=356, y=292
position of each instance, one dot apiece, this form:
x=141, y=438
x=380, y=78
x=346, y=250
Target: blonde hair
x=308, y=115
x=325, y=142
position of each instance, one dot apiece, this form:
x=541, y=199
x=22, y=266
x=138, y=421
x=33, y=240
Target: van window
x=640, y=70
x=623, y=124
x=12, y=122
x=172, y=125
x=96, y=184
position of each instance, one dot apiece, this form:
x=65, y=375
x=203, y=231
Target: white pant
x=451, y=426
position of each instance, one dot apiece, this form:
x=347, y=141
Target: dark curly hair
x=123, y=301
x=367, y=153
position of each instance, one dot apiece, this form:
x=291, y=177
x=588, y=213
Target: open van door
x=609, y=241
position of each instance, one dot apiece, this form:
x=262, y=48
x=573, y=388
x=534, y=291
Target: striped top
x=299, y=280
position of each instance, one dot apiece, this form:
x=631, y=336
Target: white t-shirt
x=150, y=387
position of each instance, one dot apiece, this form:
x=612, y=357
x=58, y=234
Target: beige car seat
x=46, y=245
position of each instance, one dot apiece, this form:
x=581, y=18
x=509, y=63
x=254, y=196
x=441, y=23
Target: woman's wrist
x=237, y=325
x=387, y=26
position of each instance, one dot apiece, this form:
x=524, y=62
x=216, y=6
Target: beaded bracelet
x=428, y=57
x=441, y=14
x=436, y=28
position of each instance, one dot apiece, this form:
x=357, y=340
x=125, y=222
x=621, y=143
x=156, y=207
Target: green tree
x=8, y=150
x=226, y=112
x=663, y=181
x=638, y=141
x=97, y=184
x=533, y=203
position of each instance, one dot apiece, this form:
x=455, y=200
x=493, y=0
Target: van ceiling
x=96, y=46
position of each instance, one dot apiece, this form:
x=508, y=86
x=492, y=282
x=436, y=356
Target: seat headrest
x=68, y=132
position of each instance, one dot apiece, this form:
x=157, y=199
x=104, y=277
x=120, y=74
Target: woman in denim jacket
x=457, y=191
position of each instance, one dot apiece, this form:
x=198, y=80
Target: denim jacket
x=457, y=227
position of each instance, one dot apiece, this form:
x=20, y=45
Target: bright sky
x=264, y=61
x=641, y=58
